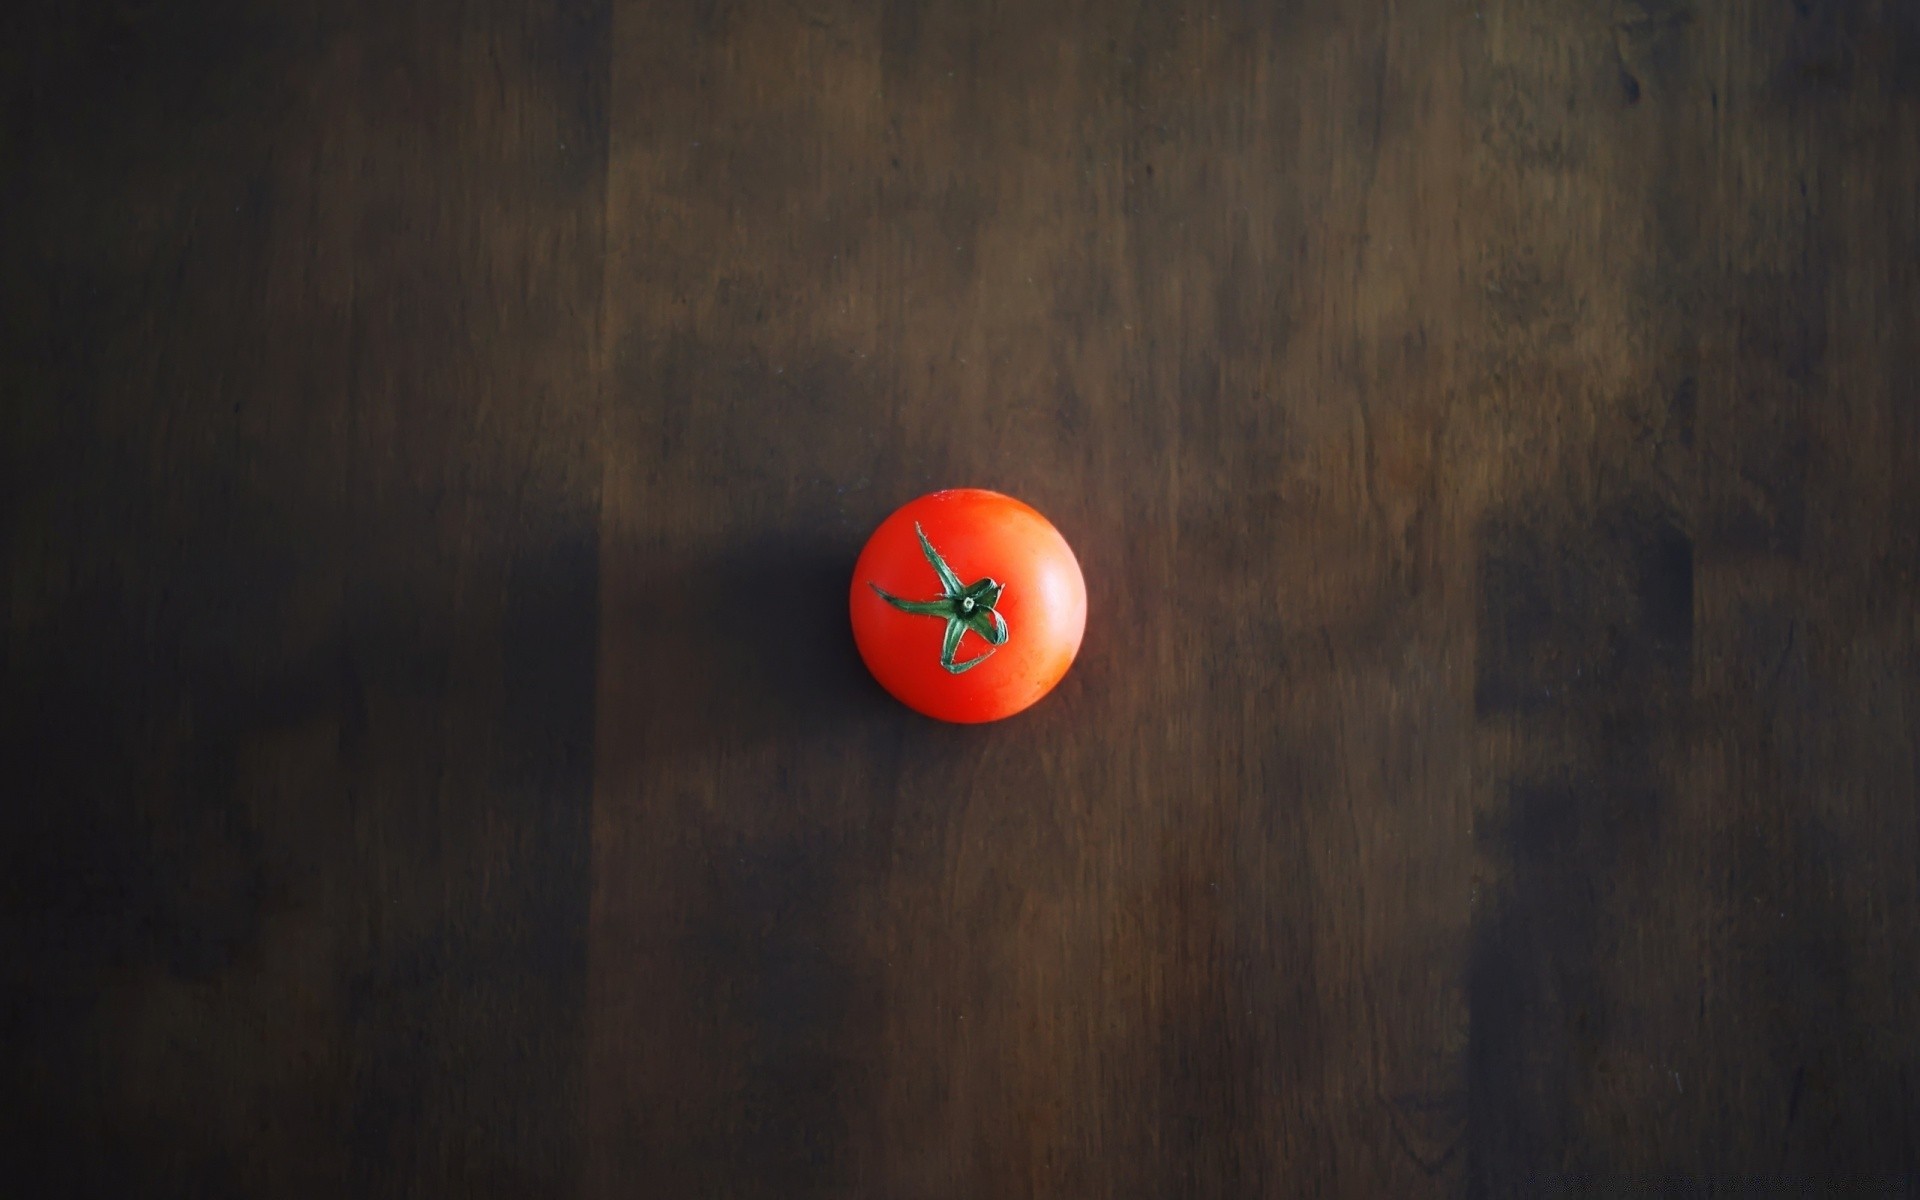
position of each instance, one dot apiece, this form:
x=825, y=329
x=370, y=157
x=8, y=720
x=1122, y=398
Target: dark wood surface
x=436, y=437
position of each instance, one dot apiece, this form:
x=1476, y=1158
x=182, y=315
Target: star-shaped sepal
x=961, y=606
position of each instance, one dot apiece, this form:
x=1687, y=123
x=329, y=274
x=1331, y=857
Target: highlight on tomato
x=967, y=605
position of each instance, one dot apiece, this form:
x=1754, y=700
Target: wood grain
x=302, y=565
x=438, y=436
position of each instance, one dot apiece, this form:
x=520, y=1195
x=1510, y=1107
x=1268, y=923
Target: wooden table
x=437, y=437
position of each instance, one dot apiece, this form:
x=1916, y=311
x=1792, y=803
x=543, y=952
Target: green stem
x=961, y=606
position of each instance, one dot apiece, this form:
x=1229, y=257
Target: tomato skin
x=980, y=534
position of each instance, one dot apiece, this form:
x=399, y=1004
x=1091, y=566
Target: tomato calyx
x=961, y=606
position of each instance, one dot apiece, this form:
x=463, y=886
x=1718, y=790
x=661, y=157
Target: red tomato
x=967, y=605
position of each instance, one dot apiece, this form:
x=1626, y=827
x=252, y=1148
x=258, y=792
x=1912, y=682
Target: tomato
x=967, y=605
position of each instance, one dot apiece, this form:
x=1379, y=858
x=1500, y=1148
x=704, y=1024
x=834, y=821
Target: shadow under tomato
x=748, y=645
